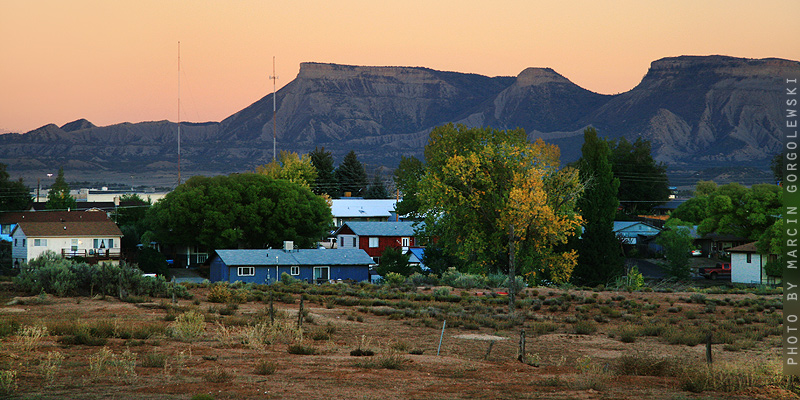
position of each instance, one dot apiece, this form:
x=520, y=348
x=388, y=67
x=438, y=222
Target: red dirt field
x=222, y=363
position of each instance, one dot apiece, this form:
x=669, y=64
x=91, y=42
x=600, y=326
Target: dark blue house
x=311, y=265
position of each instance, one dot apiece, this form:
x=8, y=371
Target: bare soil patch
x=403, y=332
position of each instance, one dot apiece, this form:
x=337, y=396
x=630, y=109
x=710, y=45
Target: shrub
x=8, y=382
x=644, y=364
x=188, y=326
x=53, y=274
x=218, y=375
x=301, y=349
x=585, y=327
x=50, y=365
x=266, y=367
x=219, y=293
x=31, y=336
x=154, y=360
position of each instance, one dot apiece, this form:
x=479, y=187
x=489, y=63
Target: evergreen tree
x=599, y=259
x=14, y=195
x=377, y=190
x=326, y=177
x=58, y=198
x=351, y=175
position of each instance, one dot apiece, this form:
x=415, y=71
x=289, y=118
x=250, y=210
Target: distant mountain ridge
x=698, y=112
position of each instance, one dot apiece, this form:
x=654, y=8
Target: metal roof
x=295, y=257
x=354, y=208
x=363, y=228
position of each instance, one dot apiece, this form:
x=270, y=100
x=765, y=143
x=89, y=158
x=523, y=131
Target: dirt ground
x=472, y=362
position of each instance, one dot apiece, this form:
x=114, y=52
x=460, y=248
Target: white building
x=94, y=240
x=747, y=266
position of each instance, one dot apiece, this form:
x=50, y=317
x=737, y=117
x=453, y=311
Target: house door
x=321, y=274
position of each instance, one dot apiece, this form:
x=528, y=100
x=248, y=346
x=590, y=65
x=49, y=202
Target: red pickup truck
x=721, y=269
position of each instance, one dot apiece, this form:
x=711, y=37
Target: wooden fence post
x=708, y=350
x=300, y=314
x=521, y=356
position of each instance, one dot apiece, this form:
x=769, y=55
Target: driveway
x=649, y=269
x=185, y=275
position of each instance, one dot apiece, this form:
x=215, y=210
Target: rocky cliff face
x=697, y=112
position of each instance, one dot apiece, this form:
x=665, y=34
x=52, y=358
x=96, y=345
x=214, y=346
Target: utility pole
x=274, y=111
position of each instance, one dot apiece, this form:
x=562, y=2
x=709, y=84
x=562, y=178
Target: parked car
x=697, y=253
x=720, y=269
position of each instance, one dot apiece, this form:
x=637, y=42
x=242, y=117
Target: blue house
x=312, y=265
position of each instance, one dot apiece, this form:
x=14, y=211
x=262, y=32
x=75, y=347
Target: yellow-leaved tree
x=496, y=202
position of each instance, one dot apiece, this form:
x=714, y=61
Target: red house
x=375, y=237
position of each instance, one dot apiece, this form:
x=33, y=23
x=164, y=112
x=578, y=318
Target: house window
x=15, y=242
x=406, y=241
x=373, y=242
x=321, y=274
x=354, y=242
x=73, y=246
x=247, y=271
x=23, y=242
x=295, y=270
x=40, y=242
x=749, y=258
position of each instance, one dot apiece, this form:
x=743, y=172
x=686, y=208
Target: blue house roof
x=362, y=228
x=299, y=257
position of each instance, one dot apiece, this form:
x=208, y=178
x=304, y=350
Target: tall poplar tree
x=599, y=252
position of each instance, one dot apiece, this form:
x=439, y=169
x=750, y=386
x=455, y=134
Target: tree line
x=492, y=202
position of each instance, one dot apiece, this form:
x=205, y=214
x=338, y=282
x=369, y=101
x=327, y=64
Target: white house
x=747, y=266
x=94, y=240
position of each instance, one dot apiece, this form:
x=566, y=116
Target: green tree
x=643, y=182
x=705, y=188
x=599, y=260
x=393, y=260
x=770, y=246
x=406, y=178
x=291, y=167
x=240, y=211
x=326, y=176
x=130, y=216
x=491, y=198
x=153, y=262
x=58, y=198
x=677, y=243
x=736, y=210
x=694, y=210
x=14, y=195
x=377, y=190
x=351, y=175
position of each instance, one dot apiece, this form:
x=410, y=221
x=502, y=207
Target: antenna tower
x=274, y=111
x=179, y=112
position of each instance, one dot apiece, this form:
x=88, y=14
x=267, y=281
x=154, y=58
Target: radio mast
x=274, y=112
x=179, y=112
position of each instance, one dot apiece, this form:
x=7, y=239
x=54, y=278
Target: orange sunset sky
x=117, y=61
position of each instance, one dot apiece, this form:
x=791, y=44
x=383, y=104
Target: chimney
x=348, y=194
x=288, y=245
